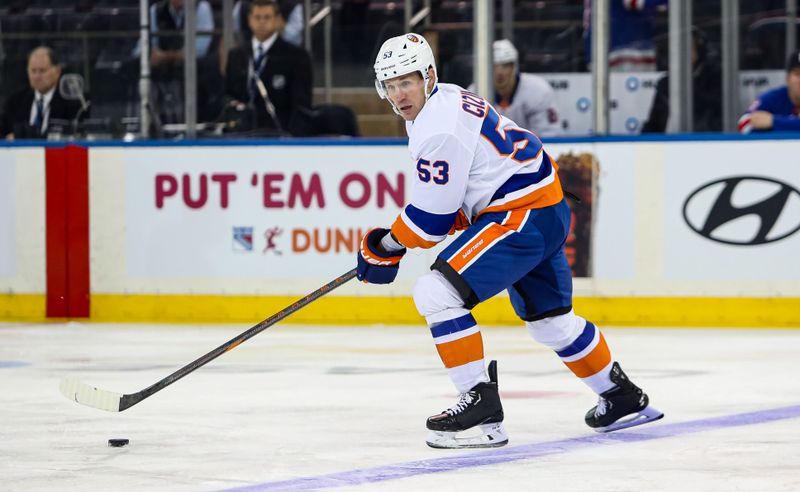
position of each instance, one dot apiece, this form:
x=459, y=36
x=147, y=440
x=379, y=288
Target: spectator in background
x=284, y=70
x=291, y=23
x=706, y=87
x=29, y=113
x=166, y=56
x=14, y=51
x=526, y=98
x=777, y=109
x=632, y=26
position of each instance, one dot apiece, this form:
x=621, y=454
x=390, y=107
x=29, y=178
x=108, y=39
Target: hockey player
x=777, y=109
x=523, y=97
x=479, y=172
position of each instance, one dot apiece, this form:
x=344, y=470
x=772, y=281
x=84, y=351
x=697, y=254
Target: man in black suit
x=29, y=113
x=284, y=70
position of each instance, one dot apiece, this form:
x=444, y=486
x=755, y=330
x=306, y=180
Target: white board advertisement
x=631, y=97
x=732, y=210
x=258, y=212
x=613, y=226
x=8, y=210
x=278, y=219
x=22, y=220
x=293, y=212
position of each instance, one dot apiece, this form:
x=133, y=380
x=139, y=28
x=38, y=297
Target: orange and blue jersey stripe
x=537, y=189
x=518, y=143
x=536, y=183
x=416, y=228
x=588, y=354
x=458, y=341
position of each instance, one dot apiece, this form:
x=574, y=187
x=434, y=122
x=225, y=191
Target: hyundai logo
x=744, y=210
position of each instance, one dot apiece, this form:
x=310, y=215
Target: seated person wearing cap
x=777, y=109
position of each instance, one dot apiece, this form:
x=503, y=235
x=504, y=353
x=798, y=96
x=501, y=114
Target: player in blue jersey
x=482, y=174
x=777, y=109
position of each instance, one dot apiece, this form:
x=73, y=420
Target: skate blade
x=647, y=414
x=493, y=436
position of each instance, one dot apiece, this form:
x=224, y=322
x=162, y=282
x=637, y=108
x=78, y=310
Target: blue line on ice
x=516, y=453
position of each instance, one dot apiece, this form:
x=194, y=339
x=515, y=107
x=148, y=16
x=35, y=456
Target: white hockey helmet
x=503, y=51
x=400, y=56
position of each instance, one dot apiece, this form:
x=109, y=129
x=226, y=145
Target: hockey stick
x=72, y=388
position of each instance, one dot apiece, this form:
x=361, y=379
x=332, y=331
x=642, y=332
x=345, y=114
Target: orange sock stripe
x=461, y=351
x=592, y=363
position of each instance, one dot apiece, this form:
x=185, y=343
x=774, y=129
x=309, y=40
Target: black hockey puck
x=118, y=443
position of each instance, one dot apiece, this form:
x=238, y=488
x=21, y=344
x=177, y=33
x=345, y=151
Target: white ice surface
x=305, y=401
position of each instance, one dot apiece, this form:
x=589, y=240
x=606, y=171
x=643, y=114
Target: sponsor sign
x=672, y=218
x=603, y=229
x=655, y=218
x=578, y=173
x=731, y=213
x=232, y=212
x=712, y=212
x=256, y=212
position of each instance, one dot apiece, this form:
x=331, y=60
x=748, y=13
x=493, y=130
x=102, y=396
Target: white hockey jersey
x=470, y=159
x=532, y=106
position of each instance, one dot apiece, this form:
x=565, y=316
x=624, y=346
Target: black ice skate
x=479, y=407
x=621, y=407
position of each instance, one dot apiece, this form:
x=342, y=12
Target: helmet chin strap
x=427, y=93
x=394, y=108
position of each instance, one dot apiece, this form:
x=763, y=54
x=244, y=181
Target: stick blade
x=73, y=389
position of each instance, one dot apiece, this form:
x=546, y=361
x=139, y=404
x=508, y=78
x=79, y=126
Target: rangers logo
x=243, y=239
